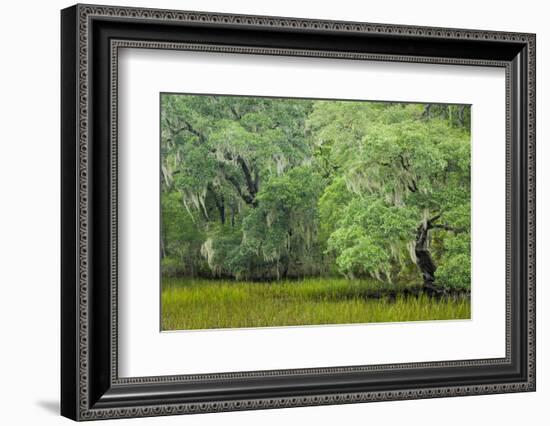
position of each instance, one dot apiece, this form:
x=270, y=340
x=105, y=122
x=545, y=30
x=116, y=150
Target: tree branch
x=247, y=198
x=187, y=126
x=406, y=166
x=412, y=186
x=220, y=202
x=402, y=159
x=426, y=112
x=430, y=222
x=250, y=182
x=447, y=227
x=234, y=112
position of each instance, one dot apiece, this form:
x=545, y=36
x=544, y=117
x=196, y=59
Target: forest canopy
x=267, y=189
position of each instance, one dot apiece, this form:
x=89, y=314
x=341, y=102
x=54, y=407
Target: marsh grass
x=189, y=304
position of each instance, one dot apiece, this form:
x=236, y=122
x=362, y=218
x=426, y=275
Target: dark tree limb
x=235, y=113
x=424, y=259
x=246, y=197
x=432, y=220
x=404, y=164
x=412, y=186
x=448, y=227
x=219, y=201
x=176, y=130
x=251, y=183
x=426, y=112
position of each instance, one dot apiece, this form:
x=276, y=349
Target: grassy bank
x=203, y=304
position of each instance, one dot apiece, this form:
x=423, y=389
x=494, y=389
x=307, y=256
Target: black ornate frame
x=91, y=37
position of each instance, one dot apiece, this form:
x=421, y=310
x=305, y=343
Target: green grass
x=189, y=304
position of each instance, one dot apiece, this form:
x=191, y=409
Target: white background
x=146, y=352
x=29, y=217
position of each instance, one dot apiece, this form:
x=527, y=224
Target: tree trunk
x=426, y=112
x=220, y=204
x=286, y=266
x=424, y=259
x=251, y=183
x=219, y=201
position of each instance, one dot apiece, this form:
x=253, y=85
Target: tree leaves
x=401, y=167
x=275, y=187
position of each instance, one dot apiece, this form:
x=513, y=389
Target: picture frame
x=90, y=384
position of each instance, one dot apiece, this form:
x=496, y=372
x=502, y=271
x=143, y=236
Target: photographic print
x=293, y=212
x=295, y=190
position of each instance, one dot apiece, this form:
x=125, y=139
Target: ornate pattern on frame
x=85, y=13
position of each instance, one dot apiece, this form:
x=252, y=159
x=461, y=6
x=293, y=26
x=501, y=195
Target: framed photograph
x=263, y=212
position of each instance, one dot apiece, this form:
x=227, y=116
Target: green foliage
x=181, y=238
x=370, y=234
x=282, y=228
x=222, y=249
x=454, y=270
x=332, y=204
x=265, y=188
x=403, y=169
x=172, y=267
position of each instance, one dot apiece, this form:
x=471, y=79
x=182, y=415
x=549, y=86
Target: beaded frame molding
x=91, y=39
